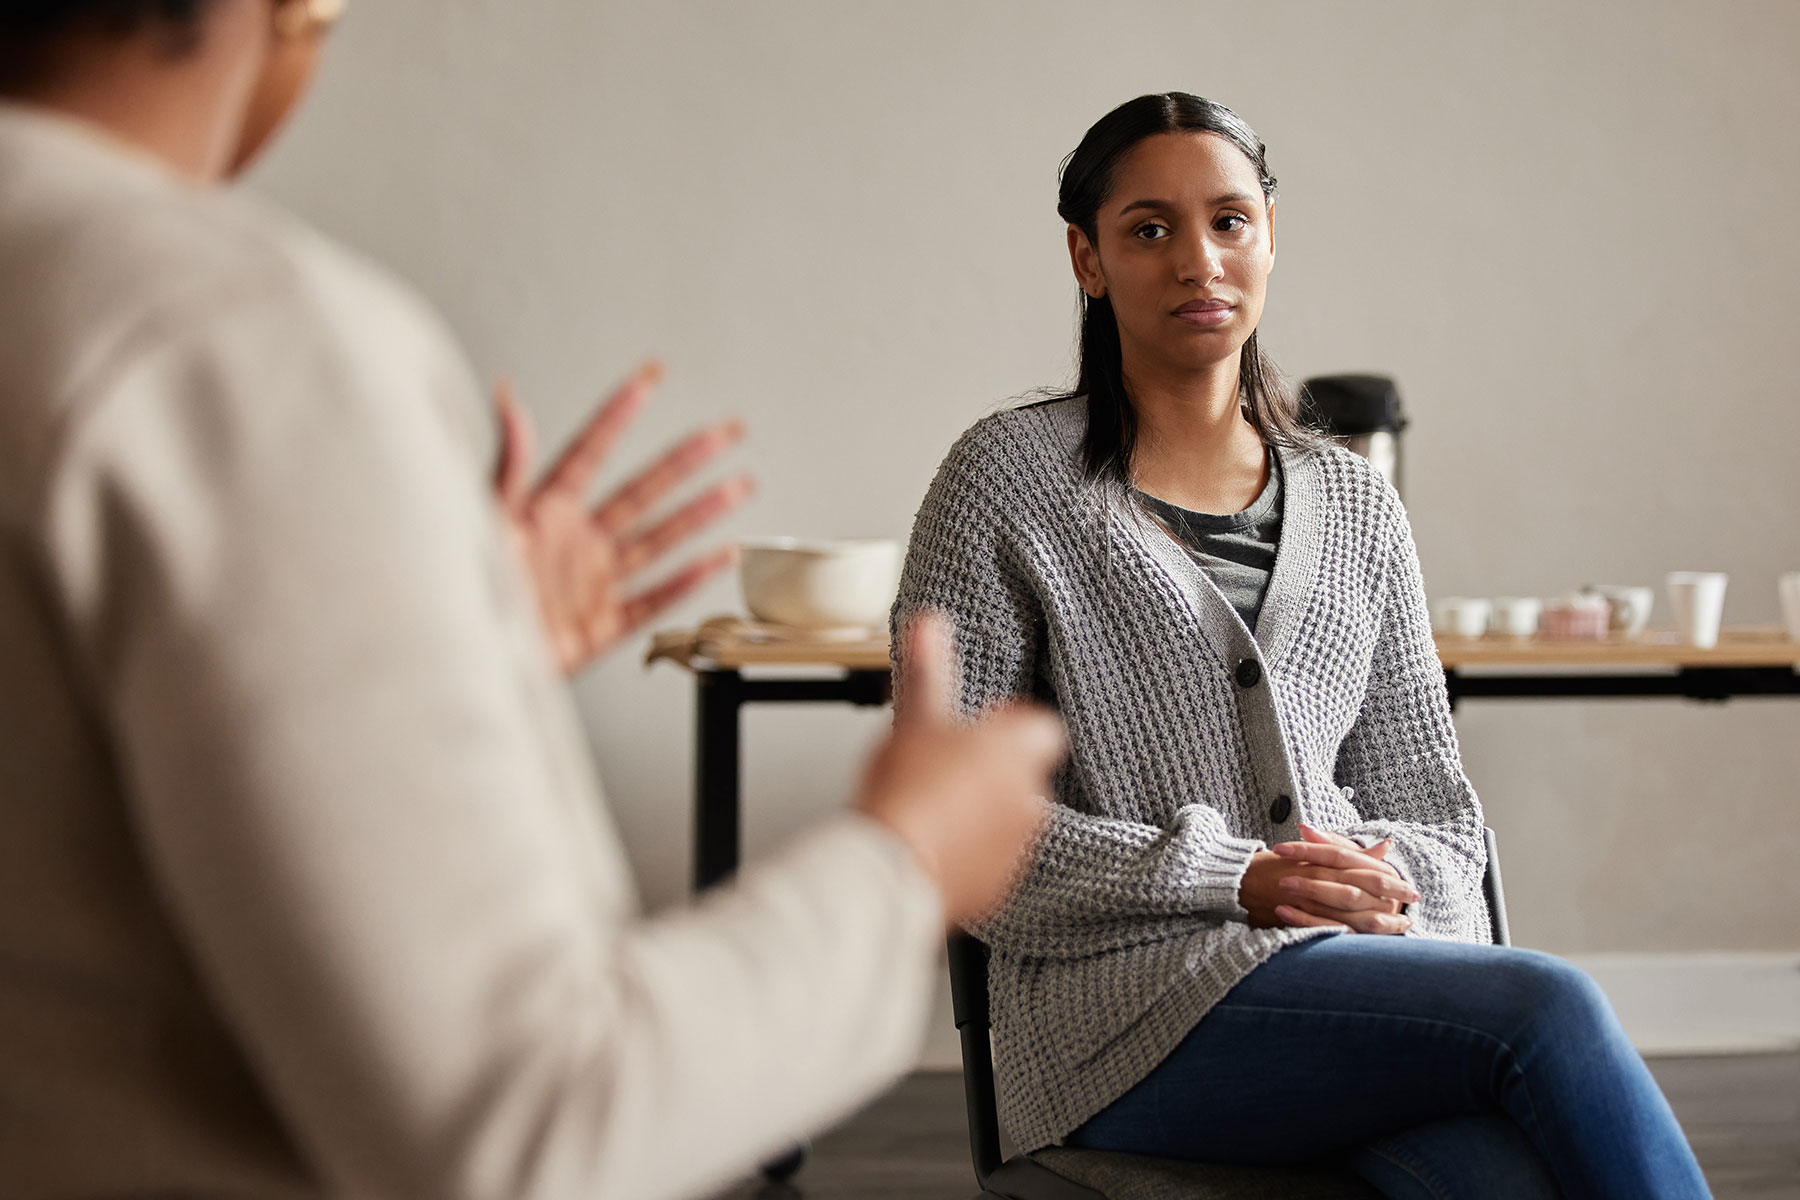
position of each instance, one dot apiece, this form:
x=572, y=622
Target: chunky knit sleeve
x=1401, y=761
x=1094, y=883
x=960, y=564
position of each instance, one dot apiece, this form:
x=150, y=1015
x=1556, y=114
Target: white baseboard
x=1724, y=1003
x=1670, y=1004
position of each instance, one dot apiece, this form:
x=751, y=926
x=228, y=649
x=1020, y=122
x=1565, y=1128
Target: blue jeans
x=1431, y=1069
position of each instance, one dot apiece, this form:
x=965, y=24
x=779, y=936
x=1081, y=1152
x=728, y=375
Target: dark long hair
x=1270, y=403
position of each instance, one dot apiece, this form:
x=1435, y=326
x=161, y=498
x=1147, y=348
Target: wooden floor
x=1742, y=1115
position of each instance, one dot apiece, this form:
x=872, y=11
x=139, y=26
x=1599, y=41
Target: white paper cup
x=1790, y=604
x=1698, y=601
x=1515, y=616
x=1460, y=615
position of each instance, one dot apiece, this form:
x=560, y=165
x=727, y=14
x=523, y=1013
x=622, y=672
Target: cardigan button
x=1278, y=811
x=1249, y=673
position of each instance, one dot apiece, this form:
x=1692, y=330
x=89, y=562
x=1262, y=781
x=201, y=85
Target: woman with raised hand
x=1229, y=615
x=308, y=885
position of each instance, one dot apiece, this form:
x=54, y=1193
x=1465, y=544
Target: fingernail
x=1288, y=883
x=1286, y=849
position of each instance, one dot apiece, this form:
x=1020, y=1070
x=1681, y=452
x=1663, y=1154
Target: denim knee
x=1552, y=995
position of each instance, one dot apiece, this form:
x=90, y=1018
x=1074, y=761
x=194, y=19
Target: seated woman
x=1229, y=614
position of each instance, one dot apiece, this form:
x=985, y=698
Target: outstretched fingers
x=632, y=502
x=715, y=503
x=580, y=461
x=642, y=608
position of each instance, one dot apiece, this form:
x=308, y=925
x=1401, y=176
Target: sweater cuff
x=1220, y=874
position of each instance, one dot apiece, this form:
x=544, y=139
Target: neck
x=1195, y=447
x=181, y=107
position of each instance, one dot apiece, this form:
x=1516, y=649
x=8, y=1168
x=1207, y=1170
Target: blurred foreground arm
x=365, y=800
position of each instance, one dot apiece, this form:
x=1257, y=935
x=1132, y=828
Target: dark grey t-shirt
x=1236, y=549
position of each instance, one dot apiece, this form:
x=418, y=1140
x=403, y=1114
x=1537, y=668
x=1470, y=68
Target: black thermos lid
x=1349, y=405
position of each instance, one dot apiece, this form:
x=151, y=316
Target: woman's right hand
x=1361, y=896
x=966, y=799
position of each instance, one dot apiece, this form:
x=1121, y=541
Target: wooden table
x=1746, y=662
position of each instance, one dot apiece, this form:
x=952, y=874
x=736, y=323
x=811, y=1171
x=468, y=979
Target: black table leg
x=717, y=785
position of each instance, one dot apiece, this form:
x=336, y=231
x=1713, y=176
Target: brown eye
x=1231, y=222
x=1150, y=231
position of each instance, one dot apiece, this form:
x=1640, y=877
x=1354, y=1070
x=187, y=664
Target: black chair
x=1057, y=1173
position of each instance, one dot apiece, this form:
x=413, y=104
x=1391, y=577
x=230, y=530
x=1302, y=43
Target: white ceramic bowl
x=827, y=587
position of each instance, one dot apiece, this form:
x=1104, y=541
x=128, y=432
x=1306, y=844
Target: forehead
x=1183, y=168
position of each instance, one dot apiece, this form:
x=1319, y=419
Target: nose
x=1199, y=261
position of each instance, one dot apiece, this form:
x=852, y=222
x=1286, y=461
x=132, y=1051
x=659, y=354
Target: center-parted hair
x=1270, y=402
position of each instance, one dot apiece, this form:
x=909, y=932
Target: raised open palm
x=584, y=557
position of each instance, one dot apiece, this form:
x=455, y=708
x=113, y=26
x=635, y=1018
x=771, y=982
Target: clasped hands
x=1326, y=880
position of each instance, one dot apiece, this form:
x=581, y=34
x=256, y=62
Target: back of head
x=30, y=29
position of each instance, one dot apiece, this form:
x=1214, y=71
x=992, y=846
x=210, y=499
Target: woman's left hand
x=581, y=558
x=1365, y=874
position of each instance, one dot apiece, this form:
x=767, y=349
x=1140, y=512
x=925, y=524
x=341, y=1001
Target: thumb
x=928, y=674
x=1036, y=734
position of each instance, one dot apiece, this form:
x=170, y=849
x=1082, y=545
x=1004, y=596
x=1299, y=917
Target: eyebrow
x=1215, y=202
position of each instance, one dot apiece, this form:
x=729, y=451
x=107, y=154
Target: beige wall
x=1569, y=230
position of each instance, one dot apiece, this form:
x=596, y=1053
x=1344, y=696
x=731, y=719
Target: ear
x=1271, y=237
x=1086, y=261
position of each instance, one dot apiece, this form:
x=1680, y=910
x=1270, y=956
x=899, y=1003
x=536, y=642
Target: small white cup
x=1460, y=615
x=1698, y=600
x=1515, y=616
x=1790, y=604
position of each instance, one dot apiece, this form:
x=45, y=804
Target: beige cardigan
x=306, y=886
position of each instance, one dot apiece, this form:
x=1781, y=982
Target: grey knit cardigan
x=1195, y=743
